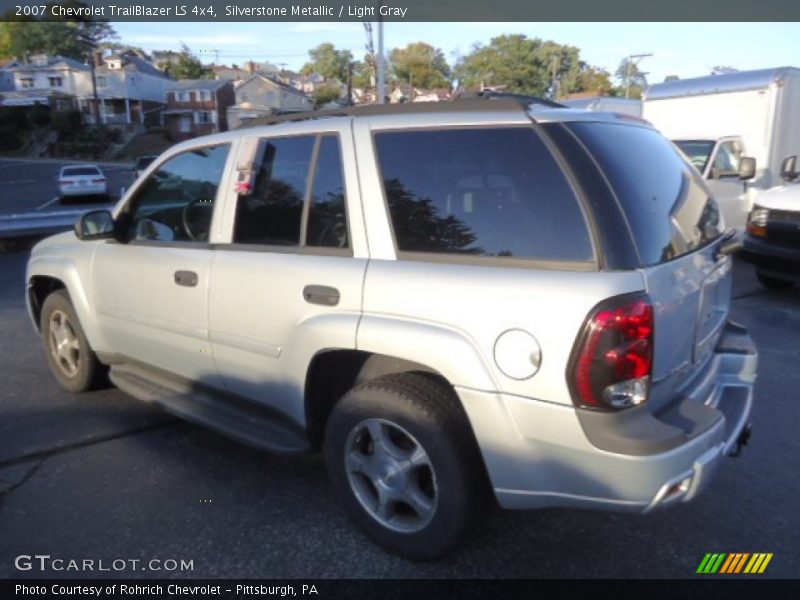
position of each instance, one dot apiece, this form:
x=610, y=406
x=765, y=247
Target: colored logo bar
x=732, y=563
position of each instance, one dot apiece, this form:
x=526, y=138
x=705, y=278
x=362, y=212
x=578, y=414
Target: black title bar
x=403, y=10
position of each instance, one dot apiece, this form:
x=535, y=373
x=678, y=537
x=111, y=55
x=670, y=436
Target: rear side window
x=488, y=192
x=670, y=211
x=272, y=213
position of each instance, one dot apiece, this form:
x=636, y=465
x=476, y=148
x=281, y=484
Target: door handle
x=321, y=294
x=186, y=278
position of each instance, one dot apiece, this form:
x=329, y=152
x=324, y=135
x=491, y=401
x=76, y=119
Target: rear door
x=289, y=282
x=676, y=226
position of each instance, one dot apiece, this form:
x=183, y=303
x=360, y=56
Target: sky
x=682, y=49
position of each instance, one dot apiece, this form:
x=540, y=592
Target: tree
x=364, y=73
x=632, y=80
x=592, y=79
x=186, y=66
x=328, y=62
x=325, y=93
x=520, y=64
x=75, y=39
x=420, y=64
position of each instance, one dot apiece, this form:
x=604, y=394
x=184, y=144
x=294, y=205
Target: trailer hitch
x=742, y=440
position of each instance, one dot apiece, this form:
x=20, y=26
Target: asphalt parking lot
x=31, y=185
x=102, y=476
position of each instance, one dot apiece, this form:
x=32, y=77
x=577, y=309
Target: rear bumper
x=83, y=190
x=539, y=455
x=771, y=257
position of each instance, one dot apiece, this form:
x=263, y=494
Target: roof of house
x=132, y=62
x=183, y=85
x=53, y=62
x=272, y=80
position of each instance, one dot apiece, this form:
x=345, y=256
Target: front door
x=151, y=287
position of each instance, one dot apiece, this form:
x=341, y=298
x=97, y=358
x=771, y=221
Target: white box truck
x=718, y=119
x=626, y=106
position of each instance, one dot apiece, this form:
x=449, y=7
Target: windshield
x=666, y=203
x=697, y=151
x=76, y=171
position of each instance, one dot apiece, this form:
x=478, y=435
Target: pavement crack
x=5, y=490
x=44, y=454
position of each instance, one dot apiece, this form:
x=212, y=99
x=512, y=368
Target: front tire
x=71, y=360
x=404, y=464
x=773, y=283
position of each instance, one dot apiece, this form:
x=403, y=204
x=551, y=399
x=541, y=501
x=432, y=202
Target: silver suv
x=453, y=303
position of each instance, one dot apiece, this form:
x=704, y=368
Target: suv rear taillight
x=612, y=360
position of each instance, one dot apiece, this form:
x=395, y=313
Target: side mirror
x=747, y=168
x=95, y=225
x=789, y=168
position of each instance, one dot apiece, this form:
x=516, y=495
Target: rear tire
x=773, y=283
x=71, y=359
x=404, y=464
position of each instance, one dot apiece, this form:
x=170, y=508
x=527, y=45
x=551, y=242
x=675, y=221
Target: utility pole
x=379, y=63
x=350, y=83
x=629, y=64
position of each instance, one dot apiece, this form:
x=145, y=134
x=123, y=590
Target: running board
x=227, y=414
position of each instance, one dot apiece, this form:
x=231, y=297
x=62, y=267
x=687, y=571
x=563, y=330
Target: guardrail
x=42, y=223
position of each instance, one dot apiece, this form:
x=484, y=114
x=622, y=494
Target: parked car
x=772, y=242
x=142, y=162
x=81, y=180
x=452, y=302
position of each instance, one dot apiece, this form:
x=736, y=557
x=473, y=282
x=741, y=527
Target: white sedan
x=82, y=180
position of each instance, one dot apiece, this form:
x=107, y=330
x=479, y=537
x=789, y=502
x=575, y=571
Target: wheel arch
x=46, y=275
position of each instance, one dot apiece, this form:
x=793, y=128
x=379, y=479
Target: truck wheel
x=403, y=462
x=69, y=356
x=773, y=283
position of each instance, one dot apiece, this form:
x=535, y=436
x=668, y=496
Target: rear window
x=75, y=171
x=669, y=208
x=481, y=192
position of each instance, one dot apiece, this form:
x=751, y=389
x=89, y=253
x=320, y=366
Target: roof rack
x=499, y=102
x=524, y=99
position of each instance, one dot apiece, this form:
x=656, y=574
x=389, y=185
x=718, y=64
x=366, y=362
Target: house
x=197, y=107
x=401, y=93
x=54, y=81
x=7, y=75
x=260, y=96
x=130, y=89
x=438, y=95
x=232, y=73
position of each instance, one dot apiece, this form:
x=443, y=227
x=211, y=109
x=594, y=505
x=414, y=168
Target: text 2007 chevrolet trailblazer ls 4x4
x=453, y=302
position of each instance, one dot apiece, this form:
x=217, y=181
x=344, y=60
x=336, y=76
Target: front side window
x=697, y=151
x=481, y=192
x=176, y=202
